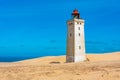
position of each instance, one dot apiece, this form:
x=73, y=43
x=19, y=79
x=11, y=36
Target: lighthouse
x=75, y=39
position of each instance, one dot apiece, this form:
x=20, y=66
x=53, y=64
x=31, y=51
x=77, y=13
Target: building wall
x=75, y=41
x=79, y=41
x=70, y=41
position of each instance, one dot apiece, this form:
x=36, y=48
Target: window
x=80, y=23
x=78, y=28
x=79, y=34
x=70, y=23
x=70, y=34
x=79, y=47
x=77, y=22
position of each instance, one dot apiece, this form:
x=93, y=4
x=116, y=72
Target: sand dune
x=99, y=67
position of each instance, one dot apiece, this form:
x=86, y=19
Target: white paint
x=79, y=58
x=74, y=54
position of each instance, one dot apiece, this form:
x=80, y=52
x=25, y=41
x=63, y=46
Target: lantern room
x=75, y=14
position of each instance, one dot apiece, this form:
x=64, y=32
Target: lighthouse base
x=75, y=58
x=79, y=58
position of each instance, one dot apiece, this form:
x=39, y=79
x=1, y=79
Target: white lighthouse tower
x=75, y=39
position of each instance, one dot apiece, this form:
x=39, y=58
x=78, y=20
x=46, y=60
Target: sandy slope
x=99, y=67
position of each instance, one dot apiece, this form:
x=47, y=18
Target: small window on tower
x=80, y=23
x=78, y=28
x=70, y=34
x=79, y=47
x=79, y=34
x=71, y=23
x=77, y=22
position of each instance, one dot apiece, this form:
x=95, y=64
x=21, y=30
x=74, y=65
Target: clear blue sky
x=38, y=27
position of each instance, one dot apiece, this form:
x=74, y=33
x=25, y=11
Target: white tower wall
x=75, y=41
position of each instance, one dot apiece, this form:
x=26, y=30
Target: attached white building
x=75, y=39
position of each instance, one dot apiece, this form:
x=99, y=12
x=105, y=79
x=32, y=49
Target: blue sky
x=38, y=27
